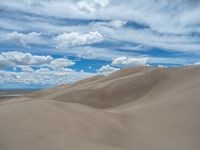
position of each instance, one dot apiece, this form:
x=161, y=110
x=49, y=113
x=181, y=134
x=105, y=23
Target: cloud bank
x=36, y=69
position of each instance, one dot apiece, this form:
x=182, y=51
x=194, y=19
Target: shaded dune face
x=124, y=86
x=106, y=93
x=143, y=108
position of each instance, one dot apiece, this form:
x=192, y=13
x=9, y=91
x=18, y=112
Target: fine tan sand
x=144, y=108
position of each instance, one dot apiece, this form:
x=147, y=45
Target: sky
x=51, y=42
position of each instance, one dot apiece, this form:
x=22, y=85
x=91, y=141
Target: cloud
x=91, y=6
x=129, y=62
x=168, y=25
x=106, y=70
x=20, y=38
x=123, y=24
x=114, y=24
x=26, y=60
x=121, y=62
x=26, y=68
x=76, y=38
x=197, y=63
x=43, y=77
x=38, y=70
x=117, y=23
x=14, y=59
x=89, y=52
x=60, y=63
x=149, y=38
x=160, y=15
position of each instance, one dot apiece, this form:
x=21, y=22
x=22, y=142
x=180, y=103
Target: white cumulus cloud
x=60, y=63
x=106, y=70
x=14, y=59
x=129, y=62
x=77, y=39
x=31, y=69
x=24, y=61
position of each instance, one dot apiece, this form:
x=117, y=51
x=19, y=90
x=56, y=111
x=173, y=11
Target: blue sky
x=50, y=42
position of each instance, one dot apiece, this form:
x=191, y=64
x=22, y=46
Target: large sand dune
x=144, y=108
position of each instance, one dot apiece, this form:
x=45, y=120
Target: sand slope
x=142, y=108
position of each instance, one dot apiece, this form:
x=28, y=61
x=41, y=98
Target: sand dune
x=144, y=108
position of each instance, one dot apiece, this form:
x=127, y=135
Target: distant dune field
x=9, y=94
x=143, y=108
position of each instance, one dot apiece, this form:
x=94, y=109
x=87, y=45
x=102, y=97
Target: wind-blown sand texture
x=144, y=108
